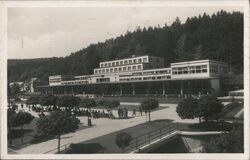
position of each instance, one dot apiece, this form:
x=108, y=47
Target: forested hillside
x=217, y=37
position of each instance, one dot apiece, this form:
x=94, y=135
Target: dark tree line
x=217, y=37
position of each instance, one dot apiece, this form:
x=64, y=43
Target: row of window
x=74, y=82
x=118, y=69
x=144, y=78
x=189, y=70
x=152, y=72
x=81, y=78
x=99, y=80
x=56, y=80
x=123, y=62
x=215, y=69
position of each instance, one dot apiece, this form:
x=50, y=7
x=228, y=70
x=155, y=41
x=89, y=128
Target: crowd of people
x=122, y=112
x=94, y=113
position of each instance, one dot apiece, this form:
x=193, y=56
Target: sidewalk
x=102, y=127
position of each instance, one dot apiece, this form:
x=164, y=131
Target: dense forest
x=217, y=37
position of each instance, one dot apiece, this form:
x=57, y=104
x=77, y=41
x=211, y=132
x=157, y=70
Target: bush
x=232, y=142
x=123, y=140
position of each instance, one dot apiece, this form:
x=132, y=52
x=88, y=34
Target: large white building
x=148, y=69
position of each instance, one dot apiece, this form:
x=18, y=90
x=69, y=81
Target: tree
x=33, y=100
x=57, y=123
x=48, y=101
x=123, y=140
x=15, y=89
x=112, y=104
x=68, y=102
x=188, y=108
x=23, y=118
x=11, y=115
x=209, y=107
x=149, y=105
x=232, y=142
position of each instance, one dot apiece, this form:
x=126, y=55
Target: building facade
x=138, y=73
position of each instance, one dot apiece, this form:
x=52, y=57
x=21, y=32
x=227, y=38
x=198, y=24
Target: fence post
x=149, y=138
x=136, y=145
x=160, y=133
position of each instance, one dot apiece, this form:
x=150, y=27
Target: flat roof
x=196, y=61
x=130, y=58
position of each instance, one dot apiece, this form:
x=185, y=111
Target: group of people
x=93, y=113
x=122, y=112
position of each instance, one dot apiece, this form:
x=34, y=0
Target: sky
x=58, y=32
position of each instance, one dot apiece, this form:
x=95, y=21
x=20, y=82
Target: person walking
x=140, y=109
x=134, y=112
x=126, y=112
x=119, y=113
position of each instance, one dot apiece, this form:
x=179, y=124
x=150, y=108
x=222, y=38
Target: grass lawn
x=108, y=141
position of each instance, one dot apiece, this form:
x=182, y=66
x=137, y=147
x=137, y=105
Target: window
x=198, y=69
x=117, y=63
x=107, y=70
x=116, y=69
x=204, y=68
x=126, y=62
x=103, y=71
x=130, y=61
x=135, y=61
x=139, y=67
x=214, y=69
x=120, y=69
x=139, y=60
x=179, y=70
x=134, y=67
x=121, y=62
x=109, y=64
x=106, y=64
x=175, y=71
x=95, y=71
x=185, y=70
x=99, y=71
x=111, y=69
x=144, y=59
x=124, y=68
x=192, y=69
x=129, y=68
x=102, y=65
x=113, y=63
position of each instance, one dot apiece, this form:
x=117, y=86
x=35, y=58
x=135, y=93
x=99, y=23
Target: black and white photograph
x=124, y=80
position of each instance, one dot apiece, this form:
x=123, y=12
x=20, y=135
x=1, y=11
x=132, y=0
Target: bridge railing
x=149, y=137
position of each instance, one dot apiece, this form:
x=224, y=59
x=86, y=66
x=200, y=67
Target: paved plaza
x=102, y=126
